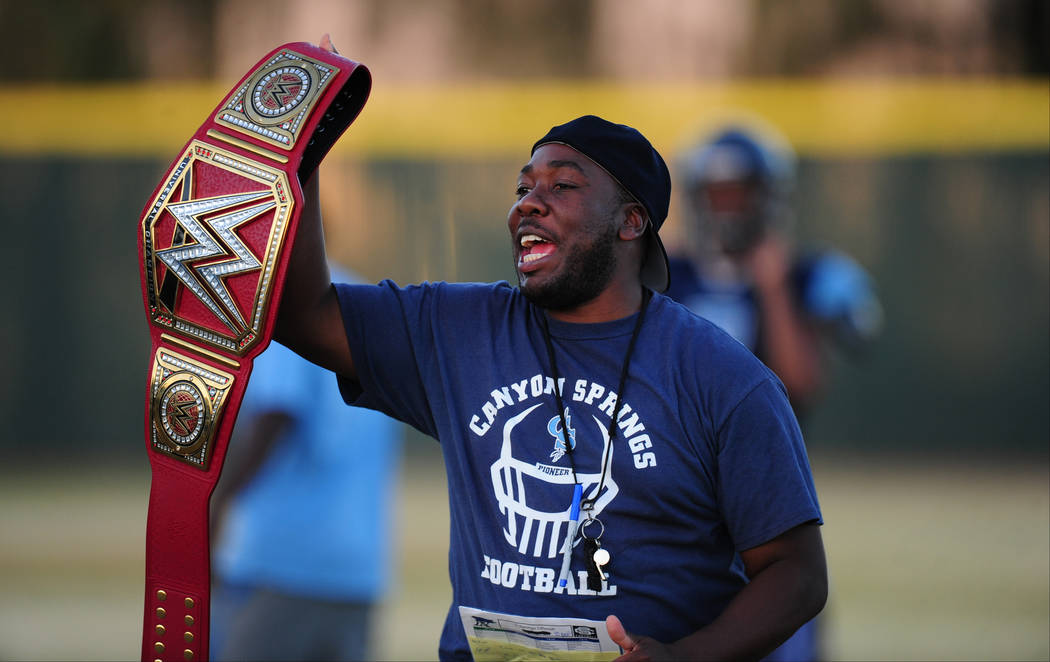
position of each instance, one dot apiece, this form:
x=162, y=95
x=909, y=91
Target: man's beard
x=588, y=271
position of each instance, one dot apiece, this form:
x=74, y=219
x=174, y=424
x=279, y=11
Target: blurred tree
x=102, y=40
x=543, y=38
x=1022, y=35
x=797, y=38
x=887, y=37
x=73, y=40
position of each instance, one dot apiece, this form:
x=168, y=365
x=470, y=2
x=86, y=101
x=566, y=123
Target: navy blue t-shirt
x=707, y=461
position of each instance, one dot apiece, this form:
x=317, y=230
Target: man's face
x=564, y=228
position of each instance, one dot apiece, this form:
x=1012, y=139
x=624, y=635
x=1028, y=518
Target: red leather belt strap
x=214, y=245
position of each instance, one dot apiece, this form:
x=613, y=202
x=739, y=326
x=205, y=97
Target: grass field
x=928, y=561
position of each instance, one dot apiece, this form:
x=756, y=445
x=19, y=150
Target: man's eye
x=521, y=191
x=563, y=186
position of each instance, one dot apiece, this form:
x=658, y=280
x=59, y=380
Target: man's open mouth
x=534, y=247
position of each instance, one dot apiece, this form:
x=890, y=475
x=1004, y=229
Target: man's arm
x=309, y=321
x=788, y=587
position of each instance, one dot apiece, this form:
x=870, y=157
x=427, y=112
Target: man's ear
x=634, y=223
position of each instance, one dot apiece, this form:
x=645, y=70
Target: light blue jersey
x=314, y=521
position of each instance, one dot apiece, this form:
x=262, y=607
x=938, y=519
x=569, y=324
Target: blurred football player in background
x=744, y=273
x=301, y=518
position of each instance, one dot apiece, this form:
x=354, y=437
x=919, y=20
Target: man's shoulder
x=470, y=297
x=702, y=363
x=430, y=291
x=678, y=321
x=457, y=306
x=672, y=311
x=496, y=289
x=698, y=341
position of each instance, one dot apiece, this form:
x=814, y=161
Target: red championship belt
x=214, y=242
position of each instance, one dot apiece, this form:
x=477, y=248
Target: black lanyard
x=588, y=504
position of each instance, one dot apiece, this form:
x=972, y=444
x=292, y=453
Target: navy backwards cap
x=632, y=161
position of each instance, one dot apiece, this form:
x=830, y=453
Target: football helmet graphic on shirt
x=534, y=497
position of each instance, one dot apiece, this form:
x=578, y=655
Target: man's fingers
x=326, y=43
x=619, y=634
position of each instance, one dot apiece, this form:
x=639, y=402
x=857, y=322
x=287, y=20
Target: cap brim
x=655, y=273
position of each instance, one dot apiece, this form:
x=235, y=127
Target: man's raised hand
x=326, y=43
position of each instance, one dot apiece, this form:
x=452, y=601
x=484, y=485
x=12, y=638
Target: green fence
x=959, y=246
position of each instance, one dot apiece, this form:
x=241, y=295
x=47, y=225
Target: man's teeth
x=531, y=243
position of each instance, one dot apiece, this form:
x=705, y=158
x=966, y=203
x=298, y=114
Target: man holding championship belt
x=214, y=246
x=625, y=479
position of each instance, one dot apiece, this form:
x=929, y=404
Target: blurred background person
x=743, y=272
x=301, y=519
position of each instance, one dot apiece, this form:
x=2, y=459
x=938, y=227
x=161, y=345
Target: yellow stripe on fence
x=870, y=117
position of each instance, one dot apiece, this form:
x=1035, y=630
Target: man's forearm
x=308, y=277
x=788, y=587
x=309, y=321
x=777, y=602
